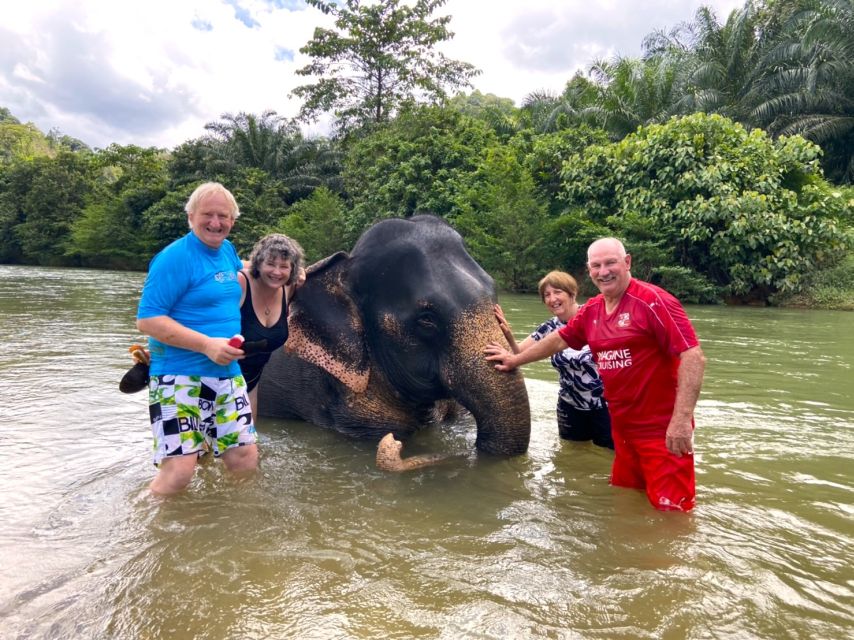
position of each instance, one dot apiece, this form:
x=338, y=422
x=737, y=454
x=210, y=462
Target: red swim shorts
x=645, y=463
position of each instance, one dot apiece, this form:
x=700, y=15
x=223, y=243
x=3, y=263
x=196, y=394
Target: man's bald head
x=609, y=267
x=611, y=245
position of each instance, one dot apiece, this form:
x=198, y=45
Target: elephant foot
x=388, y=456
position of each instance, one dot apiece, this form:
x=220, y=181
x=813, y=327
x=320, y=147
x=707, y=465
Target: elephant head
x=381, y=337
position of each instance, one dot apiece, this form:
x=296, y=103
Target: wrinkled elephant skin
x=382, y=339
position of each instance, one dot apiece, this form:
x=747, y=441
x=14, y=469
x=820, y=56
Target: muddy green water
x=322, y=545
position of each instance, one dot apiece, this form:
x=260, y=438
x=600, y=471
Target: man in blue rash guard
x=190, y=307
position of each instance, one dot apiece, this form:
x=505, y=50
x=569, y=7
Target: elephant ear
x=325, y=325
x=323, y=263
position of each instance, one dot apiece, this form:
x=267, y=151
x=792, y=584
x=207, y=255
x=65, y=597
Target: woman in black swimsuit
x=271, y=276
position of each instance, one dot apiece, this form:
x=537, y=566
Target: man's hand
x=680, y=433
x=507, y=361
x=679, y=438
x=504, y=360
x=219, y=351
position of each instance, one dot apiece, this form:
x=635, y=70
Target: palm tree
x=547, y=112
x=247, y=140
x=809, y=88
x=278, y=147
x=634, y=92
x=500, y=114
x=718, y=63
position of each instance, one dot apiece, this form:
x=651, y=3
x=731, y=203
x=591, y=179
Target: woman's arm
x=508, y=332
x=244, y=282
x=291, y=289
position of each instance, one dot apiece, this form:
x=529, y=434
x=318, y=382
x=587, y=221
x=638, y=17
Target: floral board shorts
x=196, y=414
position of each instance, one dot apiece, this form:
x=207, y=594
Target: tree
x=59, y=140
x=418, y=163
x=381, y=57
x=261, y=199
x=20, y=141
x=718, y=62
x=15, y=181
x=110, y=233
x=266, y=142
x=566, y=239
x=499, y=113
x=633, y=92
x=750, y=213
x=502, y=220
x=547, y=153
x=809, y=86
x=546, y=112
x=56, y=196
x=317, y=222
x=165, y=220
x=246, y=140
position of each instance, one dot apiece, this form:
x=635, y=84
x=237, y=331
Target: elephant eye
x=426, y=321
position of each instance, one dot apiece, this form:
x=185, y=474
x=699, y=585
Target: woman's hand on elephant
x=505, y=327
x=502, y=321
x=499, y=315
x=498, y=354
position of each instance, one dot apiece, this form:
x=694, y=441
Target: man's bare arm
x=680, y=437
x=506, y=361
x=173, y=333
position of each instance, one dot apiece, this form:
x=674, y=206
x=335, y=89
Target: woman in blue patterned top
x=582, y=413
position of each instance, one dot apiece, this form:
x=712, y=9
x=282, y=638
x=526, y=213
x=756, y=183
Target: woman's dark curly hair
x=276, y=245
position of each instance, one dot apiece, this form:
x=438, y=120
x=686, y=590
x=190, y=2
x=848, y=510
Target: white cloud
x=148, y=73
x=154, y=73
x=534, y=45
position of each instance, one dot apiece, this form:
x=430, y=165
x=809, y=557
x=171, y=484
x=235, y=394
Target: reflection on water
x=322, y=545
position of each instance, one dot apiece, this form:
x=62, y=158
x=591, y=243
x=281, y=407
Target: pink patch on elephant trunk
x=498, y=401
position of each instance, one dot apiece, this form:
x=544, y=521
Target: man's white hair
x=621, y=250
x=207, y=189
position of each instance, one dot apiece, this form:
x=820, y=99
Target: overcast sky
x=153, y=73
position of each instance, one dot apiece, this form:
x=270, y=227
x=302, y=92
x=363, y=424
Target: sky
x=154, y=73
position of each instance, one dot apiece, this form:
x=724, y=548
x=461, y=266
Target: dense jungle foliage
x=724, y=157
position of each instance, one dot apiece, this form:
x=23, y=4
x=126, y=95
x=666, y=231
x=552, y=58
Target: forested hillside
x=724, y=157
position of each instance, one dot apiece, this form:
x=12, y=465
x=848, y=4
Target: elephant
x=385, y=338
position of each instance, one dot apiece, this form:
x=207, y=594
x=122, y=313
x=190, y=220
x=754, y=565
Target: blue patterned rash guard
x=197, y=286
x=580, y=384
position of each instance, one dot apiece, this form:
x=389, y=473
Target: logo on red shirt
x=623, y=320
x=614, y=359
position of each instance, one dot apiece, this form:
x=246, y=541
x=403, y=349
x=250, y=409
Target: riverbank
x=832, y=289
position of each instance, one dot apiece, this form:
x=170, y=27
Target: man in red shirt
x=651, y=365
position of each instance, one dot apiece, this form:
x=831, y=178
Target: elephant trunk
x=498, y=401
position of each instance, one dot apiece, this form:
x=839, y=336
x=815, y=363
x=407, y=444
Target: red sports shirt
x=636, y=348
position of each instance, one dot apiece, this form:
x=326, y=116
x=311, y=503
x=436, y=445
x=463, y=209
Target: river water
x=320, y=544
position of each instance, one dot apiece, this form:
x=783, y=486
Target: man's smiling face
x=609, y=267
x=212, y=220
